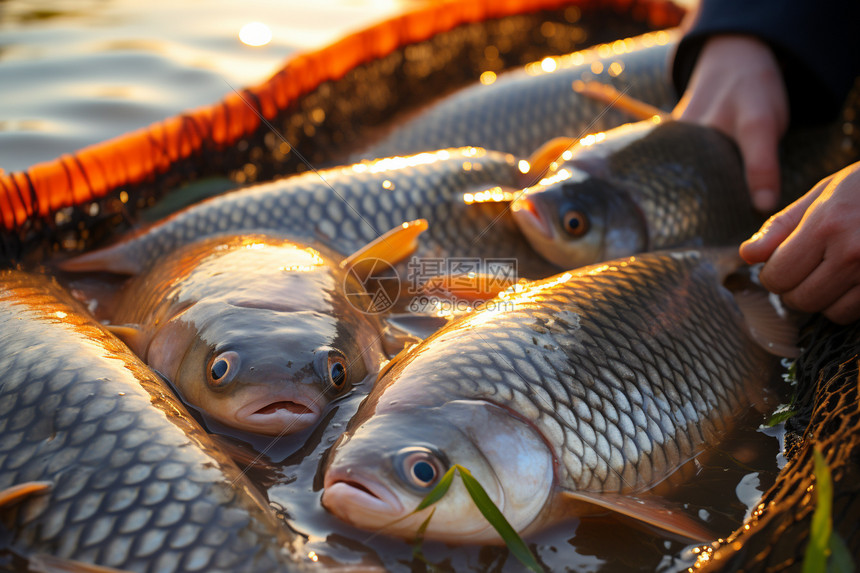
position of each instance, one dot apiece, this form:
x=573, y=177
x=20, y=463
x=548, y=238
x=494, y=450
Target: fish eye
x=221, y=370
x=575, y=223
x=420, y=468
x=331, y=366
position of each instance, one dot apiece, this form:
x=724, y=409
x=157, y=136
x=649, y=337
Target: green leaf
x=818, y=549
x=437, y=492
x=485, y=505
x=488, y=509
x=780, y=415
x=840, y=558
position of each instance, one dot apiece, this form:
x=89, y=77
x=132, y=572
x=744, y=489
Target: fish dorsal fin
x=550, y=152
x=654, y=511
x=131, y=334
x=44, y=563
x=607, y=94
x=770, y=324
x=392, y=247
x=17, y=493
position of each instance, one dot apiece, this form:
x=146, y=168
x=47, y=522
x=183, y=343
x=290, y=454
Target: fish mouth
x=279, y=415
x=355, y=498
x=528, y=216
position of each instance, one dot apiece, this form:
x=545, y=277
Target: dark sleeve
x=817, y=43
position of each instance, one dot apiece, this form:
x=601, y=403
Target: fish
x=644, y=186
x=577, y=393
x=347, y=207
x=259, y=332
x=110, y=469
x=521, y=109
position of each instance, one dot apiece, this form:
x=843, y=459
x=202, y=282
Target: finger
x=758, y=140
x=818, y=290
x=761, y=246
x=846, y=309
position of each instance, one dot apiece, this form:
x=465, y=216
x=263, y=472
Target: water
x=75, y=73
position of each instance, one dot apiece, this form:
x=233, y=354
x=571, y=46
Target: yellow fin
x=612, y=97
x=392, y=247
x=550, y=152
x=470, y=287
x=17, y=493
x=128, y=333
x=650, y=510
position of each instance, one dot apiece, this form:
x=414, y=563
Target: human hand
x=737, y=88
x=812, y=249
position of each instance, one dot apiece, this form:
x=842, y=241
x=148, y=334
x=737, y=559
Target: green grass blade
x=437, y=492
x=818, y=549
x=485, y=505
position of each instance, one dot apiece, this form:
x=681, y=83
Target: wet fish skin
x=620, y=373
x=643, y=187
x=137, y=484
x=523, y=109
x=274, y=314
x=345, y=208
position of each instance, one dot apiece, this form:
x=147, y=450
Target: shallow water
x=73, y=74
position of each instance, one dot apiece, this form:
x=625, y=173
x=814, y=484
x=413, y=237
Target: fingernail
x=764, y=200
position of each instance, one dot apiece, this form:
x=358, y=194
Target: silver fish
x=133, y=482
x=521, y=110
x=257, y=331
x=587, y=387
x=640, y=187
x=347, y=207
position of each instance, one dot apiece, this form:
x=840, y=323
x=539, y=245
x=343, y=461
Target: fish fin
x=650, y=510
x=607, y=94
x=17, y=493
x=471, y=287
x=112, y=259
x=770, y=324
x=43, y=563
x=392, y=247
x=406, y=329
x=550, y=152
x=131, y=334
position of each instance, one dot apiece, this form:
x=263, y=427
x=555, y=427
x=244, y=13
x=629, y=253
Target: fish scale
x=136, y=483
x=428, y=186
x=524, y=109
x=615, y=422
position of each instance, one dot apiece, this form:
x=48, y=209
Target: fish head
x=266, y=349
x=380, y=471
x=577, y=217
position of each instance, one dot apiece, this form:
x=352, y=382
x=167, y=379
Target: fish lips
x=346, y=488
x=279, y=413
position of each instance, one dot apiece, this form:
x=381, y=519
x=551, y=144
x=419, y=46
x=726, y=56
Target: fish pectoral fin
x=113, y=259
x=17, y=493
x=550, y=152
x=408, y=328
x=131, y=334
x=471, y=287
x=391, y=247
x=774, y=327
x=44, y=563
x=607, y=94
x=653, y=511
